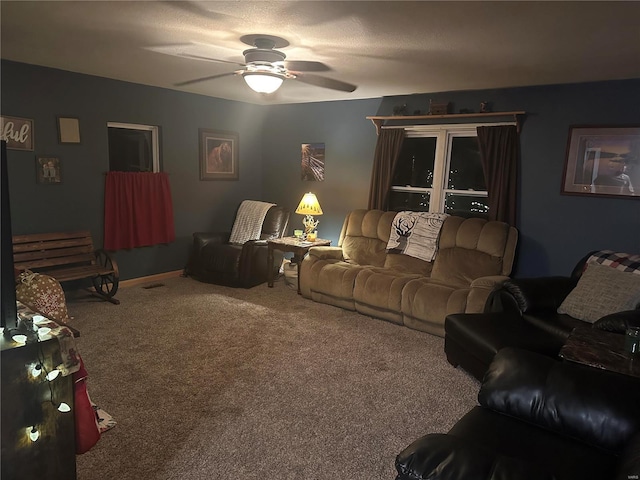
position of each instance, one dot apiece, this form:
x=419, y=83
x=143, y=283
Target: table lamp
x=309, y=207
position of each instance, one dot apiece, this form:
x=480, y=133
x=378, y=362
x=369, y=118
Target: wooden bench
x=68, y=256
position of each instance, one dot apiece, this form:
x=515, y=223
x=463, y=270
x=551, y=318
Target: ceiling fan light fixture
x=263, y=82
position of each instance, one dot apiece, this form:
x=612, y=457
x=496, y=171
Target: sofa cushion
x=565, y=457
x=475, y=234
x=426, y=303
x=439, y=456
x=334, y=283
x=565, y=397
x=365, y=235
x=602, y=290
x=559, y=325
x=378, y=292
x=459, y=266
x=364, y=251
x=407, y=264
x=471, y=248
x=480, y=336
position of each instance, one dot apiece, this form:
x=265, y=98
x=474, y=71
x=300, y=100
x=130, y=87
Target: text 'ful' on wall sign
x=17, y=132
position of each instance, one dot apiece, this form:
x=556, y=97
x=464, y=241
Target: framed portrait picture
x=48, y=170
x=68, y=130
x=218, y=155
x=17, y=132
x=602, y=161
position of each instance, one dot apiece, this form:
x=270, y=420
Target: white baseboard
x=150, y=278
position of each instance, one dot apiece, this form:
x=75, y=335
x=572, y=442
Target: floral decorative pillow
x=42, y=294
x=602, y=290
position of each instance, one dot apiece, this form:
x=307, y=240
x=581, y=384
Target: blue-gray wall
x=350, y=142
x=78, y=203
x=555, y=230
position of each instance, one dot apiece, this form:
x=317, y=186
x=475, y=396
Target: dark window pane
x=415, y=164
x=466, y=205
x=130, y=150
x=417, y=202
x=465, y=168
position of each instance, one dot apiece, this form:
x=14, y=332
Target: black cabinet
x=30, y=401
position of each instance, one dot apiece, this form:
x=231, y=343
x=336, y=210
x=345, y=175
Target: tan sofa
x=473, y=256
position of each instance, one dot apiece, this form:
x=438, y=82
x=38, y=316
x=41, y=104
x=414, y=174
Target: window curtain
x=138, y=210
x=384, y=162
x=499, y=155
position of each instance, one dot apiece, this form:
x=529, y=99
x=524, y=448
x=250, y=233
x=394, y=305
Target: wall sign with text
x=18, y=132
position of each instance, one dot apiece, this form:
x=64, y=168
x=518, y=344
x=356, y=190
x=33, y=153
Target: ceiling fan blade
x=203, y=79
x=306, y=66
x=208, y=59
x=324, y=82
x=195, y=8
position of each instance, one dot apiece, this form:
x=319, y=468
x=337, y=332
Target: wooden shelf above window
x=378, y=121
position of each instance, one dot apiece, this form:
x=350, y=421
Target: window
x=133, y=148
x=439, y=170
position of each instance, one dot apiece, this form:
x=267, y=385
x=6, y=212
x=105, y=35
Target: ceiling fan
x=265, y=68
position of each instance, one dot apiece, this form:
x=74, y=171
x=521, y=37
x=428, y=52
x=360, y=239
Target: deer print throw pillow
x=416, y=234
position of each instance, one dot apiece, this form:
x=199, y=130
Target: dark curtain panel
x=384, y=162
x=138, y=210
x=499, y=154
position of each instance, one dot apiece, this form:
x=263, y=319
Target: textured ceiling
x=385, y=48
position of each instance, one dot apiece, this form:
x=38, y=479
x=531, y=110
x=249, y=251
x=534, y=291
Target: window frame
x=444, y=134
x=155, y=139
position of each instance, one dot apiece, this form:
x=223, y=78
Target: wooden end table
x=600, y=349
x=298, y=247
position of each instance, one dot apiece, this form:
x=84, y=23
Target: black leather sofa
x=522, y=313
x=213, y=259
x=538, y=418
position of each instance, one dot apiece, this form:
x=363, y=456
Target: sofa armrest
x=595, y=406
x=490, y=282
x=447, y=457
x=619, y=322
x=527, y=295
x=202, y=239
x=480, y=290
x=326, y=253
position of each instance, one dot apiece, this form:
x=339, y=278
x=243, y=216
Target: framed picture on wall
x=68, y=130
x=48, y=170
x=602, y=161
x=17, y=132
x=312, y=162
x=218, y=155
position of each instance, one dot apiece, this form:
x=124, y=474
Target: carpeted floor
x=209, y=382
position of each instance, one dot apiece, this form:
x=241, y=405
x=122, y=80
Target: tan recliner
x=359, y=274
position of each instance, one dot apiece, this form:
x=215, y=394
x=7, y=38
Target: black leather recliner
x=538, y=418
x=214, y=260
x=521, y=313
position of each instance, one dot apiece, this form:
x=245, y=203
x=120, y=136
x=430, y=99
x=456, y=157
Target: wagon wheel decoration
x=106, y=284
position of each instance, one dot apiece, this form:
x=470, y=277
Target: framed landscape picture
x=218, y=155
x=602, y=161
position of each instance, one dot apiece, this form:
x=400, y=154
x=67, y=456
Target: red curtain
x=138, y=210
